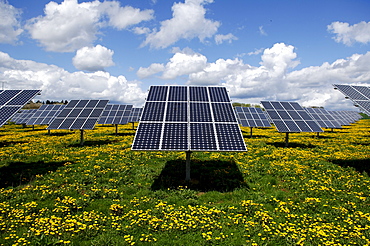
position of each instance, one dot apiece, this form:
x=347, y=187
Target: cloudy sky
x=115, y=49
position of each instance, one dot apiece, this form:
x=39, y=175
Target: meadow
x=55, y=192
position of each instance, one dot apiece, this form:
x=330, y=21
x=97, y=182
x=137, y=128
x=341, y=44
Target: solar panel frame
x=78, y=115
x=290, y=117
x=135, y=114
x=252, y=117
x=11, y=101
x=23, y=116
x=359, y=95
x=323, y=118
x=201, y=120
x=117, y=114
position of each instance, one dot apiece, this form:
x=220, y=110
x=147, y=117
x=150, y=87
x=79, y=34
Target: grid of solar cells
x=290, y=117
x=252, y=117
x=116, y=114
x=323, y=118
x=360, y=95
x=188, y=118
x=135, y=114
x=79, y=115
x=23, y=116
x=45, y=114
x=11, y=101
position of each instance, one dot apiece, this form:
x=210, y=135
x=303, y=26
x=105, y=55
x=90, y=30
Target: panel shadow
x=20, y=173
x=212, y=175
x=360, y=165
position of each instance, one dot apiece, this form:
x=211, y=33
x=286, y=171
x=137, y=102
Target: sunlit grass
x=53, y=191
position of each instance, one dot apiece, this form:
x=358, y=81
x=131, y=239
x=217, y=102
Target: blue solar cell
x=277, y=105
x=175, y=136
x=226, y=137
x=7, y=95
x=198, y=94
x=157, y=93
x=202, y=136
x=178, y=93
x=218, y=94
x=148, y=136
x=280, y=126
x=200, y=112
x=283, y=115
x=153, y=111
x=292, y=126
x=82, y=103
x=177, y=111
x=223, y=112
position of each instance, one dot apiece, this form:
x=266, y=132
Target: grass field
x=55, y=192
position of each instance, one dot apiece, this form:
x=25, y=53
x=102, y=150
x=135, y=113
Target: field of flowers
x=55, y=192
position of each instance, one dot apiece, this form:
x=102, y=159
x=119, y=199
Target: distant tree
x=48, y=102
x=65, y=102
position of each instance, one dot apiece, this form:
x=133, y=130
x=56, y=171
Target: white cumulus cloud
x=188, y=21
x=59, y=84
x=93, y=58
x=347, y=34
x=10, y=27
x=70, y=25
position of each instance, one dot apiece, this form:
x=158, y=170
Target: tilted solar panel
x=117, y=114
x=11, y=101
x=188, y=118
x=323, y=118
x=79, y=115
x=290, y=117
x=23, y=116
x=135, y=114
x=252, y=117
x=45, y=114
x=360, y=95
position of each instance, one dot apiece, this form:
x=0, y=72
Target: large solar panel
x=360, y=95
x=45, y=114
x=323, y=118
x=252, y=117
x=188, y=118
x=135, y=115
x=116, y=114
x=13, y=100
x=290, y=117
x=79, y=115
x=23, y=116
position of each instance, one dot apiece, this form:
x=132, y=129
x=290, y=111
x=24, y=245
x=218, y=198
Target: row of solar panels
x=78, y=113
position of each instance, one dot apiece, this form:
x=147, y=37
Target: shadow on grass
x=123, y=134
x=360, y=165
x=292, y=145
x=20, y=173
x=10, y=143
x=92, y=143
x=213, y=175
x=56, y=133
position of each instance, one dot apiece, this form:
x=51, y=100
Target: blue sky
x=260, y=50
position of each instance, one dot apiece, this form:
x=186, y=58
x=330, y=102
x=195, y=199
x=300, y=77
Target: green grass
x=55, y=192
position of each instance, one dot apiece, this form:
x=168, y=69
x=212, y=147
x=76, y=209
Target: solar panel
x=23, y=116
x=45, y=114
x=188, y=118
x=252, y=117
x=323, y=118
x=135, y=114
x=290, y=117
x=360, y=95
x=117, y=114
x=13, y=100
x=79, y=115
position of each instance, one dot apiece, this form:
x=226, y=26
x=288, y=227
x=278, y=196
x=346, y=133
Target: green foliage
x=55, y=192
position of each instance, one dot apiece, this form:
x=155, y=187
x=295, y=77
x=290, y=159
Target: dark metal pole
x=251, y=131
x=188, y=154
x=81, y=137
x=116, y=129
x=133, y=125
x=286, y=139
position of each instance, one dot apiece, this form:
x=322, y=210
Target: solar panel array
x=79, y=115
x=323, y=118
x=13, y=100
x=360, y=95
x=116, y=114
x=188, y=118
x=23, y=116
x=252, y=117
x=45, y=114
x=345, y=118
x=135, y=114
x=290, y=117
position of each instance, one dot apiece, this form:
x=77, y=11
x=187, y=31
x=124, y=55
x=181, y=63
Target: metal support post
x=116, y=129
x=81, y=137
x=188, y=154
x=251, y=131
x=286, y=139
